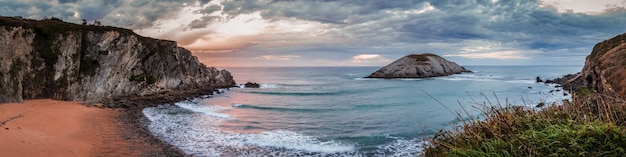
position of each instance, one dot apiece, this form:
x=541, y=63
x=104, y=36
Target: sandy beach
x=47, y=127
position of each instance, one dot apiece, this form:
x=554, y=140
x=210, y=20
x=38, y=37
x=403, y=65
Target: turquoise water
x=334, y=111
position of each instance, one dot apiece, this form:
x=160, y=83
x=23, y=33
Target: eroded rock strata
x=604, y=70
x=64, y=61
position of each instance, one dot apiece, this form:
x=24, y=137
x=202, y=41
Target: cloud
x=277, y=57
x=369, y=58
x=494, y=55
x=136, y=14
x=338, y=31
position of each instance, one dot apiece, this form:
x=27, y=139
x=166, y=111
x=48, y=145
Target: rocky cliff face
x=418, y=66
x=53, y=59
x=605, y=68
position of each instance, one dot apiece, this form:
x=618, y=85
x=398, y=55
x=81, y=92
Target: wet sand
x=47, y=127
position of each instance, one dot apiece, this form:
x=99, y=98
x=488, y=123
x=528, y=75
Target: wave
x=366, y=79
x=205, y=138
x=294, y=141
x=402, y=147
x=402, y=79
x=294, y=93
x=474, y=77
x=245, y=106
x=270, y=85
x=522, y=81
x=470, y=77
x=206, y=110
x=264, y=85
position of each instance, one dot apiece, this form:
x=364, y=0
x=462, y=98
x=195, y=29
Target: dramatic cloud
x=370, y=58
x=493, y=55
x=343, y=32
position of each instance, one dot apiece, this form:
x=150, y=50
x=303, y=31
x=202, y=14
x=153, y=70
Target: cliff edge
x=418, y=66
x=605, y=67
x=604, y=70
x=54, y=59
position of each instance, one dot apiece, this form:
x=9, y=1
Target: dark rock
x=418, y=66
x=539, y=79
x=541, y=104
x=252, y=85
x=569, y=82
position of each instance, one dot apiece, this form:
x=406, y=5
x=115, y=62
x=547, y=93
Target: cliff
x=64, y=61
x=605, y=67
x=418, y=66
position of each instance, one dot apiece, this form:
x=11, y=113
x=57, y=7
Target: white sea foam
x=366, y=79
x=410, y=79
x=201, y=136
x=402, y=147
x=270, y=85
x=470, y=77
x=295, y=141
x=237, y=105
x=207, y=110
x=521, y=81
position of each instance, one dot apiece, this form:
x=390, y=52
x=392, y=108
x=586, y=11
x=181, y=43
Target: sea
x=335, y=111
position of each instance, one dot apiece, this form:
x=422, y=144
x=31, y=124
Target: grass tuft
x=591, y=125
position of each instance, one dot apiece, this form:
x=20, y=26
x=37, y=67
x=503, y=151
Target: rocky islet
x=419, y=66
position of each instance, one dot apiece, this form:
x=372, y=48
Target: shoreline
x=45, y=127
x=116, y=127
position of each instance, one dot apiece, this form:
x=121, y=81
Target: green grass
x=591, y=125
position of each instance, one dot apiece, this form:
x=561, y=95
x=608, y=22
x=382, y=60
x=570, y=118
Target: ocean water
x=334, y=111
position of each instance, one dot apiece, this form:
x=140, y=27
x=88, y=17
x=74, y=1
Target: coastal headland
x=78, y=90
x=45, y=127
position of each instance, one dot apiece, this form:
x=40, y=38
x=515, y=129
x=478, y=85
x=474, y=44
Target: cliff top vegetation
x=592, y=125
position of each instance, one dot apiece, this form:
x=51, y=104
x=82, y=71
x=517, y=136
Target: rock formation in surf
x=54, y=59
x=419, y=66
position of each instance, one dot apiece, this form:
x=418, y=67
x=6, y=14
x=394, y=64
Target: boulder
x=418, y=66
x=252, y=85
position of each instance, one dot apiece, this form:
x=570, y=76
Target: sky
x=228, y=33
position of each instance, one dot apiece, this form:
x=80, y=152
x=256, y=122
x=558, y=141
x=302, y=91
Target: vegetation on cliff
x=592, y=125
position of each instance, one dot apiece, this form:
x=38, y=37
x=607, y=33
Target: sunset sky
x=355, y=32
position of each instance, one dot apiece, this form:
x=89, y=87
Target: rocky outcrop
x=418, y=66
x=252, y=85
x=604, y=70
x=58, y=60
x=605, y=67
